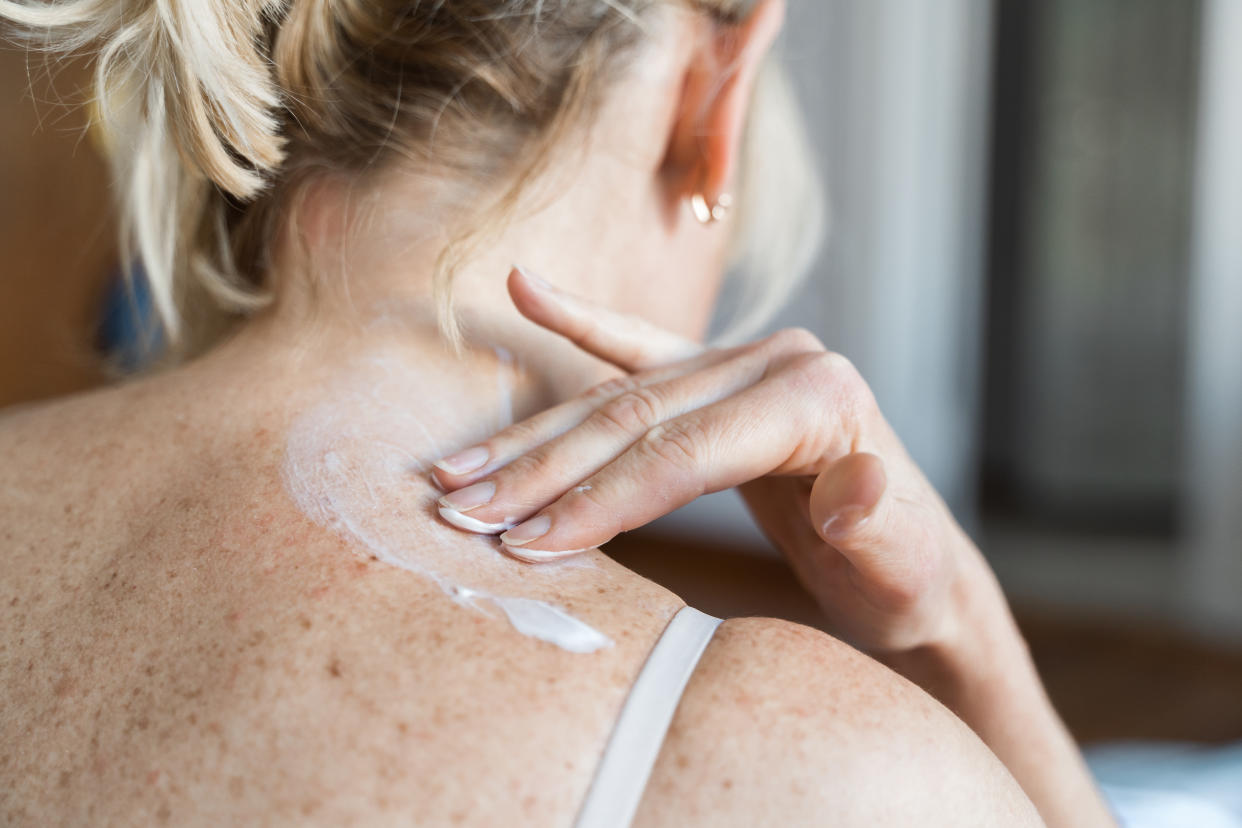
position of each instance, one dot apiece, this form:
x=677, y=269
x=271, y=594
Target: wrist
x=979, y=652
x=981, y=669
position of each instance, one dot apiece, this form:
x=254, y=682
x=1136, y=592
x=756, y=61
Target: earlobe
x=703, y=152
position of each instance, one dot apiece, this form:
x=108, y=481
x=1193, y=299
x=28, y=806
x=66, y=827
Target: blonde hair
x=213, y=113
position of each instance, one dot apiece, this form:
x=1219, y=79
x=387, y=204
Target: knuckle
x=533, y=466
x=835, y=402
x=590, y=506
x=834, y=366
x=903, y=596
x=612, y=388
x=795, y=340
x=589, y=499
x=828, y=370
x=844, y=376
x=633, y=412
x=678, y=444
x=913, y=586
x=525, y=433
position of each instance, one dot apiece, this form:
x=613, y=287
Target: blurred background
x=1035, y=258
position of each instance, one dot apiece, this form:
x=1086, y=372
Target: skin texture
x=184, y=644
x=843, y=742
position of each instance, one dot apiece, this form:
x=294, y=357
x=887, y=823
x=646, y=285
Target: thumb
x=887, y=540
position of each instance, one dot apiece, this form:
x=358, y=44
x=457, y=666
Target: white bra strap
x=621, y=777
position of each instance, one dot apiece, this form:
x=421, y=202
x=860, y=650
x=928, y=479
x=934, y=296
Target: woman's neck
x=500, y=375
x=384, y=332
x=355, y=271
x=355, y=276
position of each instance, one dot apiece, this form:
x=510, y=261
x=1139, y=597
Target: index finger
x=628, y=342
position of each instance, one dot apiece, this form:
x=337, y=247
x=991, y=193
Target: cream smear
x=357, y=462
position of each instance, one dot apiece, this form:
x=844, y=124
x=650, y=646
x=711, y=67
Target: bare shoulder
x=37, y=434
x=45, y=446
x=25, y=426
x=783, y=724
x=181, y=642
x=63, y=457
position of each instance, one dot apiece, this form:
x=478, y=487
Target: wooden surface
x=1108, y=680
x=55, y=232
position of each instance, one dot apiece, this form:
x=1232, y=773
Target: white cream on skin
x=357, y=463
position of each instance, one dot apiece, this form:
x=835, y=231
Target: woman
x=261, y=585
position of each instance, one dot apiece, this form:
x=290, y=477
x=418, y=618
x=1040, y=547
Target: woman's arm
x=983, y=672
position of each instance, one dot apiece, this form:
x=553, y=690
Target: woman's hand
x=797, y=429
x=789, y=422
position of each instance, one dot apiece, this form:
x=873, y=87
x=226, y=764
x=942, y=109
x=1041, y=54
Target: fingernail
x=524, y=533
x=534, y=278
x=540, y=555
x=471, y=497
x=470, y=524
x=464, y=462
x=845, y=520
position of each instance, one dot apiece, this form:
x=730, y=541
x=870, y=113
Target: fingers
x=546, y=471
x=472, y=464
x=630, y=343
x=744, y=436
x=644, y=445
x=886, y=538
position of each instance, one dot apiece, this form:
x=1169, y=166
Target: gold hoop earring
x=710, y=213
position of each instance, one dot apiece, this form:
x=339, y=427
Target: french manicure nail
x=524, y=533
x=470, y=524
x=464, y=462
x=538, y=555
x=534, y=278
x=471, y=497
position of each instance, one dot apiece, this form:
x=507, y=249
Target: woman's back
x=178, y=632
x=184, y=644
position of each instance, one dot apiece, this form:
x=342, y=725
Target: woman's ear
x=707, y=131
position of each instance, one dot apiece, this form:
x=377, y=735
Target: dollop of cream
x=353, y=462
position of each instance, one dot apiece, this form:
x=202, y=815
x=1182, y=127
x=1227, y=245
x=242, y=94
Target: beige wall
x=56, y=237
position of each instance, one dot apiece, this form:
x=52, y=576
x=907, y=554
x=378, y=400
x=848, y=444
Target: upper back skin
x=182, y=645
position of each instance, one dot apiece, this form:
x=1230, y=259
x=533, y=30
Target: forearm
x=983, y=671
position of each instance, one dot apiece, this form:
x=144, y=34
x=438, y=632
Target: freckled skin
x=357, y=462
x=181, y=645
